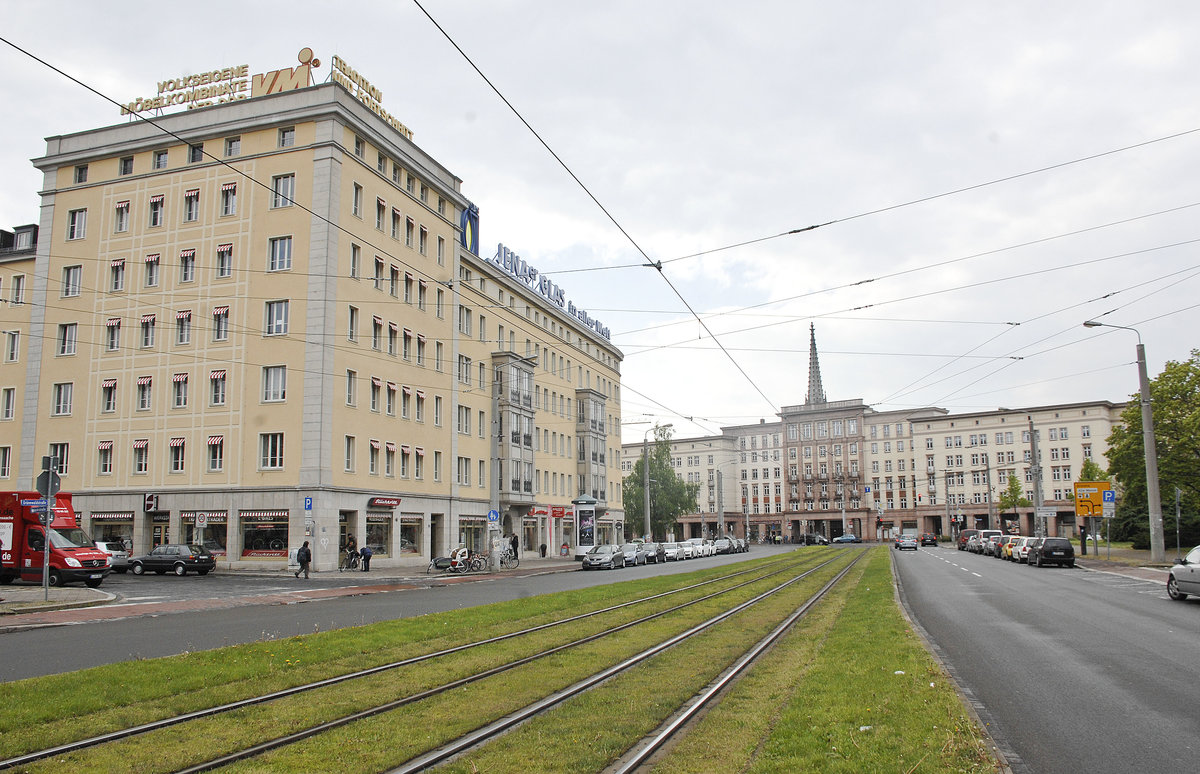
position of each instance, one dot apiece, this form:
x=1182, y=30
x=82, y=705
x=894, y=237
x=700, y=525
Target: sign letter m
x=279, y=80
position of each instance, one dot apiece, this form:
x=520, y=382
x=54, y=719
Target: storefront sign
x=516, y=267
x=383, y=502
x=365, y=93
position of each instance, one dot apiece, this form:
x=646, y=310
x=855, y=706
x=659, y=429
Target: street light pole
x=1153, y=498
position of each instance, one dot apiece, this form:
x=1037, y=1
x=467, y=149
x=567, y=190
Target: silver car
x=635, y=553
x=118, y=557
x=674, y=552
x=1185, y=577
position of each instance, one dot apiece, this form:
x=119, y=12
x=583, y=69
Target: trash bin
x=542, y=550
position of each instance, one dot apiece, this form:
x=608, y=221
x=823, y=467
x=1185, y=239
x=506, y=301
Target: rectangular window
x=276, y=318
x=423, y=241
x=409, y=230
x=121, y=218
x=152, y=270
x=233, y=146
x=391, y=399
x=283, y=190
x=81, y=173
x=352, y=324
x=348, y=448
x=77, y=224
x=441, y=251
x=141, y=456
x=396, y=220
x=351, y=388
x=144, y=386
x=274, y=383
x=177, y=455
x=229, y=199
x=67, y=337
x=270, y=451
x=62, y=399
x=125, y=166
x=224, y=263
x=420, y=404
x=104, y=458
x=158, y=207
x=147, y=330
x=287, y=138
x=191, y=205
x=62, y=453
x=376, y=392
x=18, y=289
x=216, y=388
x=380, y=213
x=360, y=147
x=221, y=323
x=108, y=396
x=160, y=159
x=72, y=281
x=355, y=259
x=357, y=201
x=281, y=254
x=8, y=403
x=216, y=453
x=117, y=275
x=183, y=327
x=195, y=153
x=179, y=388
x=187, y=265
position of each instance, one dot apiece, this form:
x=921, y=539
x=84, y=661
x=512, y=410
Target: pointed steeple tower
x=816, y=393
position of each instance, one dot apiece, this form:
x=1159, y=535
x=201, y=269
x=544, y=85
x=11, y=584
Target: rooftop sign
x=518, y=269
x=365, y=93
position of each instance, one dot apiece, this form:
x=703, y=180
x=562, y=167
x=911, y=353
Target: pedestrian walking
x=365, y=553
x=304, y=557
x=514, y=543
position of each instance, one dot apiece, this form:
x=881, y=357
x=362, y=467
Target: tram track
x=754, y=575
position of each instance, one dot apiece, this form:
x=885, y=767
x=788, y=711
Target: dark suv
x=963, y=536
x=1052, y=550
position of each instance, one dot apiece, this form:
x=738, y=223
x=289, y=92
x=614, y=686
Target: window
x=440, y=306
x=157, y=208
x=104, y=458
x=8, y=403
x=352, y=324
x=18, y=289
x=283, y=190
x=221, y=323
x=348, y=462
x=274, y=383
x=270, y=451
x=121, y=218
x=380, y=213
x=229, y=199
x=62, y=399
x=195, y=153
x=187, y=265
x=112, y=334
x=356, y=202
x=152, y=270
x=360, y=147
x=191, y=205
x=351, y=388
x=441, y=206
x=441, y=251
x=281, y=254
x=179, y=388
x=147, y=330
x=117, y=275
x=437, y=410
x=396, y=220
x=409, y=229
x=224, y=261
x=355, y=259
x=420, y=350
x=144, y=394
x=183, y=327
x=62, y=453
x=72, y=280
x=423, y=241
x=420, y=415
x=125, y=166
x=287, y=138
x=77, y=224
x=233, y=146
x=81, y=173
x=67, y=336
x=391, y=399
x=277, y=318
x=381, y=163
x=216, y=388
x=216, y=453
x=160, y=159
x=424, y=193
x=141, y=456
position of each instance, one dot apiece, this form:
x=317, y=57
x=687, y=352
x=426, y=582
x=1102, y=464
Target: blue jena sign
x=517, y=268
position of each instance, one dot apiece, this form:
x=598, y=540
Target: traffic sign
x=48, y=483
x=493, y=515
x=1110, y=496
x=201, y=519
x=1091, y=495
x=40, y=503
x=308, y=503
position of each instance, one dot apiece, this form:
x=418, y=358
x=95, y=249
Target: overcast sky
x=699, y=125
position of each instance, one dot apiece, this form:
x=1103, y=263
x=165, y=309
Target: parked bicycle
x=509, y=560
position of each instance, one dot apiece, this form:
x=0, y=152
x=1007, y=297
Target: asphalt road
x=1072, y=670
x=196, y=619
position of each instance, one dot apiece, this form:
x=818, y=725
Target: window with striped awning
x=229, y=186
x=216, y=440
x=191, y=193
x=188, y=253
x=157, y=198
x=109, y=383
x=374, y=444
x=390, y=446
x=123, y=205
x=225, y=248
x=117, y=263
x=104, y=445
x=404, y=448
x=113, y=322
x=217, y=374
x=176, y=442
x=179, y=378
x=420, y=451
x=376, y=381
x=218, y=310
x=141, y=443
x=144, y=380
x=148, y=318
x=152, y=258
x=183, y=314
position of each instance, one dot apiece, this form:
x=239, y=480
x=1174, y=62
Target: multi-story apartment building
x=845, y=467
x=268, y=320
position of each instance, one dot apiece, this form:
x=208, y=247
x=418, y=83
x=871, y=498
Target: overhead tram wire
x=650, y=263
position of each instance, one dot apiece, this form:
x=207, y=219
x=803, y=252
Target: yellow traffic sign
x=1089, y=497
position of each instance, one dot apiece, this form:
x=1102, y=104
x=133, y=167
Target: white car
x=1020, y=548
x=674, y=552
x=700, y=546
x=689, y=550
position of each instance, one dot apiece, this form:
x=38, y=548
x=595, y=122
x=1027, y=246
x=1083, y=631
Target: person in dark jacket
x=304, y=557
x=365, y=553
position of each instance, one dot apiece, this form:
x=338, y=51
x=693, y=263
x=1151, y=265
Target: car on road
x=812, y=539
x=654, y=552
x=742, y=545
x=118, y=557
x=605, y=556
x=635, y=553
x=929, y=539
x=179, y=558
x=847, y=538
x=1020, y=549
x=1052, y=550
x=1004, y=546
x=906, y=542
x=1185, y=577
x=723, y=546
x=700, y=546
x=987, y=541
x=674, y=552
x=964, y=537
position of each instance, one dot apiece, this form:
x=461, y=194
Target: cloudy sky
x=983, y=177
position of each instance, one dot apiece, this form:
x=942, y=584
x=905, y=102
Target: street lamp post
x=646, y=473
x=1153, y=499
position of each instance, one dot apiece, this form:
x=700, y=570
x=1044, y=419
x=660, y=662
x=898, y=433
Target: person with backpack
x=304, y=557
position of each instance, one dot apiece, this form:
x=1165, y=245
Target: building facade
x=267, y=320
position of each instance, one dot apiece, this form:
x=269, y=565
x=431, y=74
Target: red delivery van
x=73, y=555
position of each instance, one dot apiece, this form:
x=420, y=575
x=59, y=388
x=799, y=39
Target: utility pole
x=993, y=518
x=946, y=488
x=1036, y=468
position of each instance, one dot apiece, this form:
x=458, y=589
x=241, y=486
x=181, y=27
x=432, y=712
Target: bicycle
x=509, y=560
x=349, y=561
x=479, y=562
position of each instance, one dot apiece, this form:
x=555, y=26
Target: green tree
x=1013, y=497
x=1175, y=405
x=669, y=496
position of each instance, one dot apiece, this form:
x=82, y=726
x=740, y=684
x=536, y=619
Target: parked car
x=1003, y=546
x=987, y=541
x=1020, y=549
x=674, y=551
x=700, y=546
x=1054, y=550
x=118, y=557
x=604, y=557
x=723, y=546
x=906, y=542
x=812, y=539
x=847, y=538
x=178, y=558
x=742, y=545
x=689, y=549
x=654, y=552
x=635, y=553
x=1185, y=577
x=964, y=537
x=929, y=539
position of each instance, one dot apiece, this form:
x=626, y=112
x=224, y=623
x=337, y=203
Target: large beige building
x=835, y=467
x=268, y=320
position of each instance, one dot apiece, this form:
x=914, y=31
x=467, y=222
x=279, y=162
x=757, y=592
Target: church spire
x=816, y=393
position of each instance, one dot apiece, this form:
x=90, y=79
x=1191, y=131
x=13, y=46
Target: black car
x=1052, y=550
x=655, y=553
x=812, y=539
x=929, y=539
x=175, y=557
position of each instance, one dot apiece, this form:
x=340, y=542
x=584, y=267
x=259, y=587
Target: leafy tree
x=1013, y=497
x=669, y=496
x=1091, y=471
x=1175, y=404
